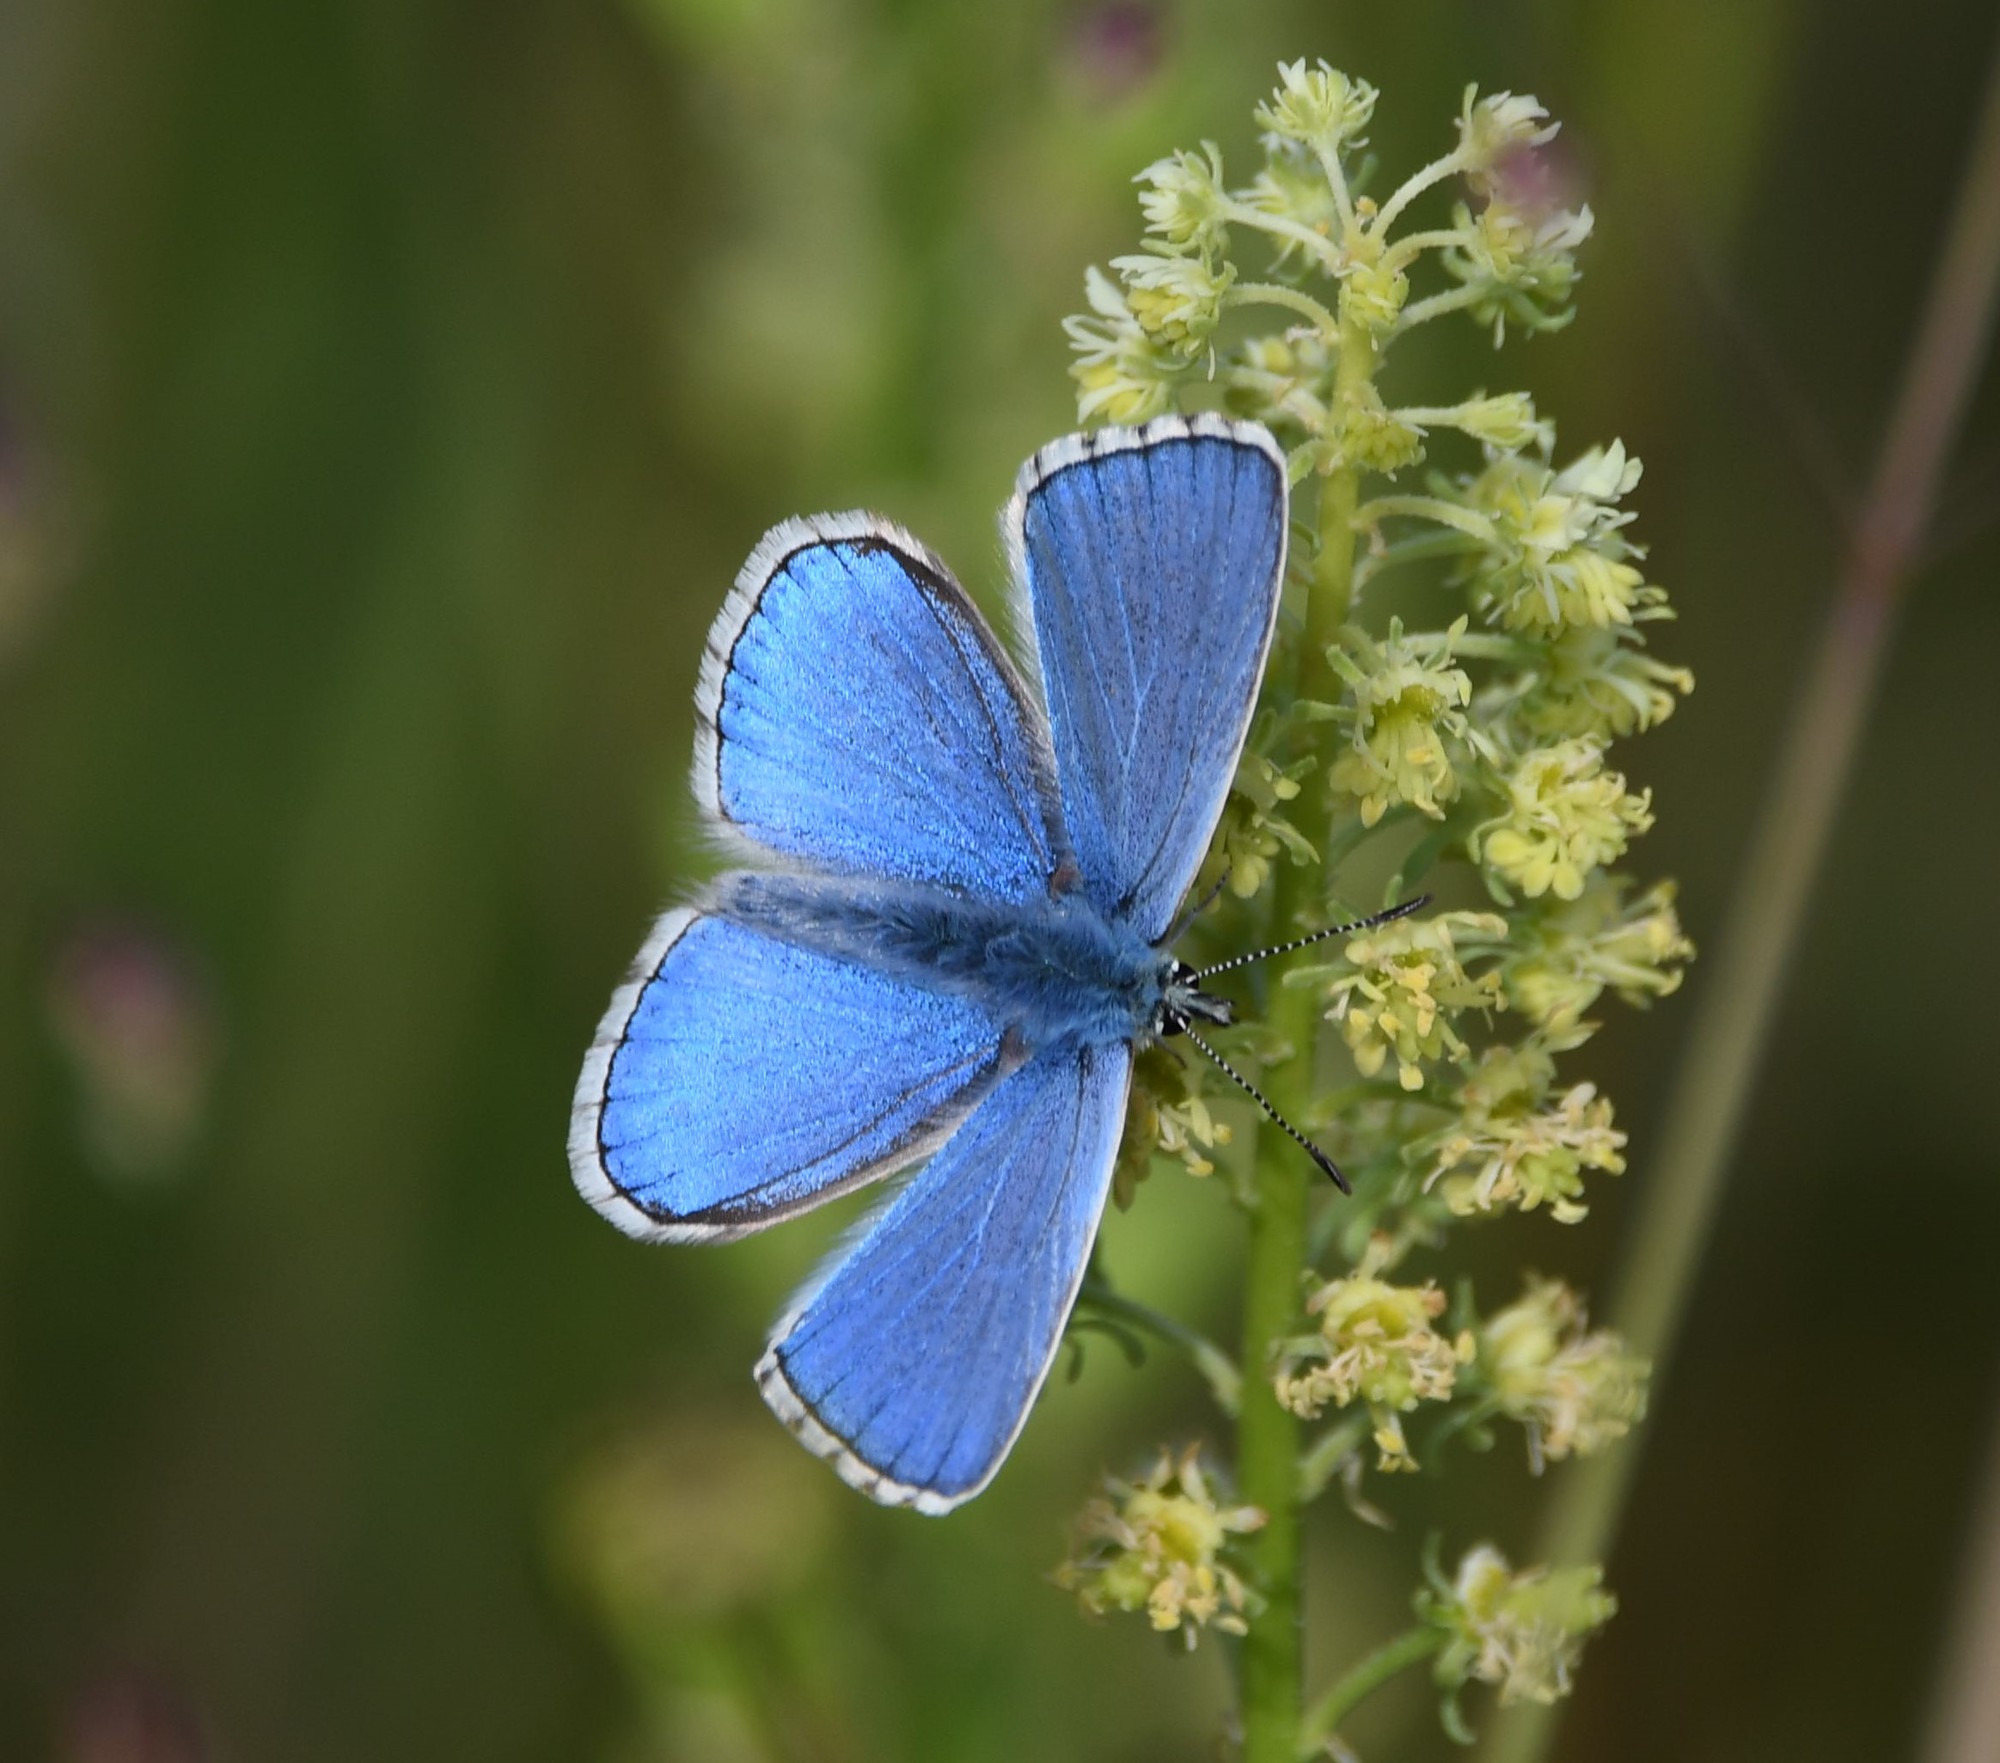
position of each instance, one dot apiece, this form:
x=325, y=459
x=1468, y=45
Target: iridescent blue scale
x=948, y=941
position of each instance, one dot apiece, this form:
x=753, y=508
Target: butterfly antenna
x=1256, y=1095
x=1197, y=909
x=1318, y=936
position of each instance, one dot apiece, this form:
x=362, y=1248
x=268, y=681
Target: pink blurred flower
x=130, y=1011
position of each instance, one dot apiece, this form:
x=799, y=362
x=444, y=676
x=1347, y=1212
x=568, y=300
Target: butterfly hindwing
x=856, y=714
x=738, y=1079
x=913, y=1363
x=1151, y=560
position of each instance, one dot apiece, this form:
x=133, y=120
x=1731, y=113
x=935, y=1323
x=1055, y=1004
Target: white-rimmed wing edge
x=586, y=1157
x=785, y=1401
x=1096, y=444
x=770, y=554
x=1104, y=443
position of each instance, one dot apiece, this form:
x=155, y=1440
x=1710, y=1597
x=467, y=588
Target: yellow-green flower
x=1156, y=1125
x=1567, y=956
x=1520, y=263
x=1506, y=421
x=1493, y=129
x=1566, y=815
x=1523, y=1632
x=1556, y=555
x=1184, y=202
x=1122, y=373
x=1253, y=831
x=1402, y=986
x=1159, y=1545
x=1514, y=1147
x=1283, y=379
x=1292, y=188
x=1376, y=1344
x=1596, y=680
x=1320, y=108
x=1370, y=435
x=1576, y=1391
x=1374, y=291
x=1405, y=701
x=1175, y=300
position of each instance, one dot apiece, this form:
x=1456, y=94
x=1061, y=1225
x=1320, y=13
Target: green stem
x=1453, y=300
x=1267, y=1433
x=1411, y=246
x=1267, y=1436
x=1218, y=1370
x=1419, y=549
x=1739, y=1001
x=1332, y=1448
x=1482, y=646
x=1414, y=186
x=1336, y=181
x=1361, y=1682
x=1433, y=508
x=1291, y=299
x=1332, y=590
x=1278, y=227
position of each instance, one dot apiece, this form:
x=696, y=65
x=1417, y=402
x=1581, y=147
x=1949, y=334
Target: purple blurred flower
x=1116, y=46
x=128, y=1717
x=32, y=554
x=129, y=1009
x=1537, y=180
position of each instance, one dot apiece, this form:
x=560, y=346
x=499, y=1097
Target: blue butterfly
x=954, y=938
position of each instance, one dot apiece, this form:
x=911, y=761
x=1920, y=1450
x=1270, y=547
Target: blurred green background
x=388, y=393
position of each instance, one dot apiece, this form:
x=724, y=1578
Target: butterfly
x=950, y=934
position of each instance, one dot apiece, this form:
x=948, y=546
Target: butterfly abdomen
x=1055, y=971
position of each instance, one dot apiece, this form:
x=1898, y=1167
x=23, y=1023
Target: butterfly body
x=952, y=938
x=1052, y=970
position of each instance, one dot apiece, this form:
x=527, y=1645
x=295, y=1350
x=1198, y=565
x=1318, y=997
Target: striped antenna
x=1256, y=1095
x=1318, y=936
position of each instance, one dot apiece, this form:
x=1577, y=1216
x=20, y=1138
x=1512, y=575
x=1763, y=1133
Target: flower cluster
x=1521, y=1632
x=1160, y=1544
x=1254, y=831
x=1551, y=552
x=1515, y=263
x=1516, y=257
x=1591, y=681
x=1122, y=372
x=1575, y=1390
x=1318, y=109
x=1407, y=706
x=1402, y=988
x=1445, y=718
x=1564, y=816
x=1565, y=958
x=1158, y=1124
x=1514, y=1144
x=1377, y=1343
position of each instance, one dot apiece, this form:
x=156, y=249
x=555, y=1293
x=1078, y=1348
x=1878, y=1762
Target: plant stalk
x=1267, y=1433
x=1363, y=1681
x=1744, y=981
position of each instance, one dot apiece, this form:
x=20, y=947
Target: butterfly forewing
x=1152, y=560
x=858, y=715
